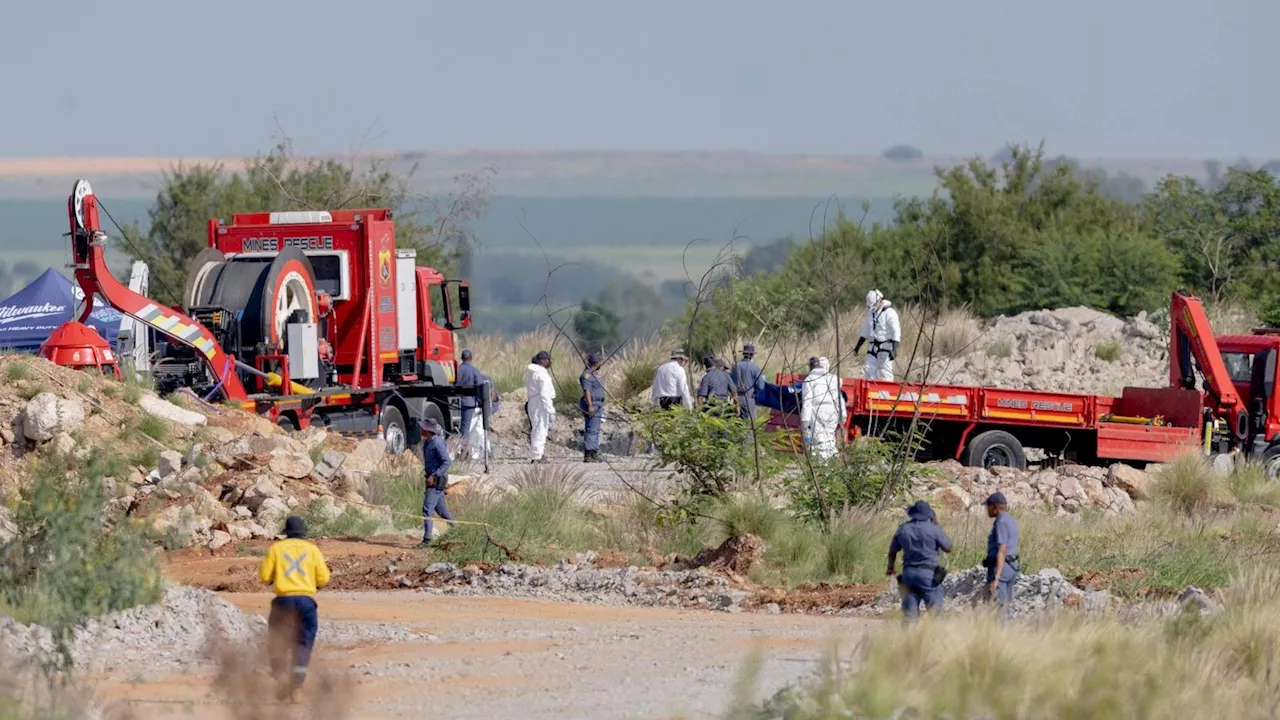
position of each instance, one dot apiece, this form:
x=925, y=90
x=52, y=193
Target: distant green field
x=645, y=237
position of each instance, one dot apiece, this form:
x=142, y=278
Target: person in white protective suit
x=540, y=406
x=882, y=331
x=822, y=409
x=478, y=438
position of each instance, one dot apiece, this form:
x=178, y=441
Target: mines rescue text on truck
x=307, y=318
x=1235, y=409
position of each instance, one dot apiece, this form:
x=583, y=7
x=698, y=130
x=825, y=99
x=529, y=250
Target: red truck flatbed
x=1142, y=425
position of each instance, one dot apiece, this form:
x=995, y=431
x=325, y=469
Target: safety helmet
x=874, y=297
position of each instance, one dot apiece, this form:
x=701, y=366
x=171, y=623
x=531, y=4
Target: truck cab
x=1251, y=365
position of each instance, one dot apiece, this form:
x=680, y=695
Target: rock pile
x=1065, y=490
x=1066, y=350
x=176, y=633
x=581, y=581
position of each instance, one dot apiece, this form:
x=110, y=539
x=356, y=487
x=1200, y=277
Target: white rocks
x=1132, y=481
x=170, y=464
x=169, y=412
x=47, y=414
x=330, y=462
x=291, y=465
x=7, y=526
x=219, y=540
x=271, y=513
x=1066, y=490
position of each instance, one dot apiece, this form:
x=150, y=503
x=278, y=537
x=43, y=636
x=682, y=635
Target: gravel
x=173, y=634
x=581, y=582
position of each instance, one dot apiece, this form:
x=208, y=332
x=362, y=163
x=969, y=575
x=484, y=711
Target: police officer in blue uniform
x=919, y=539
x=1002, y=561
x=749, y=379
x=592, y=407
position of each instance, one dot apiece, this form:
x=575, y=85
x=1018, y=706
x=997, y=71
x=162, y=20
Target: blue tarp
x=29, y=316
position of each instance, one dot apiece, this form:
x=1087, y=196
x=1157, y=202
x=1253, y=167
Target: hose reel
x=265, y=292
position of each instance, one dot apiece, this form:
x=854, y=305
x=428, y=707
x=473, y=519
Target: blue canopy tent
x=29, y=316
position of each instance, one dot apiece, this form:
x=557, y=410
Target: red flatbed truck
x=1237, y=408
x=306, y=318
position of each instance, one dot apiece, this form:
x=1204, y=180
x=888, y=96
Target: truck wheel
x=287, y=424
x=393, y=430
x=1271, y=461
x=995, y=448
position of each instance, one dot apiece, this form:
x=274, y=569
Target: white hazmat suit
x=882, y=332
x=822, y=410
x=542, y=410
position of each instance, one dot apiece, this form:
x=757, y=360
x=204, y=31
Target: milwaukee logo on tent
x=29, y=312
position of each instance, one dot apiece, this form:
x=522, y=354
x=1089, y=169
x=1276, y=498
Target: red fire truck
x=303, y=317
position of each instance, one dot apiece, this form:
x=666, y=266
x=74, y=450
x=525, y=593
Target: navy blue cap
x=996, y=498
x=594, y=359
x=921, y=510
x=748, y=349
x=542, y=355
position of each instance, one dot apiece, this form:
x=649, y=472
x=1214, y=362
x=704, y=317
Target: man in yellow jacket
x=296, y=568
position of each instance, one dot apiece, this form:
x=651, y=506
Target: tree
x=278, y=181
x=903, y=153
x=597, y=327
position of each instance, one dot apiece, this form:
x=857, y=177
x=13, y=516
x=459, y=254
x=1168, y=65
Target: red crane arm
x=87, y=246
x=1191, y=337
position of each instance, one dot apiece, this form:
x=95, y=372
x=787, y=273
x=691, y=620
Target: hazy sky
x=1118, y=78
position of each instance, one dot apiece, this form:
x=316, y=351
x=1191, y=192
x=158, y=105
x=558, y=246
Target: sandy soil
x=501, y=658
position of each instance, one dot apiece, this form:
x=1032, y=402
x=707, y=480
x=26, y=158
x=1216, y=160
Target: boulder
x=170, y=464
x=330, y=462
x=365, y=458
x=263, y=489
x=241, y=531
x=169, y=412
x=1134, y=482
x=64, y=444
x=219, y=540
x=952, y=497
x=47, y=414
x=295, y=466
x=271, y=513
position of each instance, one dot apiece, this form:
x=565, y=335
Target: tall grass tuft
x=1251, y=485
x=1189, y=485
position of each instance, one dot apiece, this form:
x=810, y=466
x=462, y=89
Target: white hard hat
x=874, y=297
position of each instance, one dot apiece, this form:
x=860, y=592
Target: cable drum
x=265, y=291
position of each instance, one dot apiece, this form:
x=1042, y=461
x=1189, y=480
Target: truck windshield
x=1239, y=366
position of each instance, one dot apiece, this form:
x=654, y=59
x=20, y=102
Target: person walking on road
x=468, y=377
x=822, y=408
x=749, y=379
x=671, y=383
x=882, y=330
x=435, y=465
x=919, y=539
x=296, y=569
x=592, y=406
x=1002, y=562
x=717, y=390
x=541, y=392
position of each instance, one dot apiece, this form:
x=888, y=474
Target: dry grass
x=1069, y=666
x=1231, y=319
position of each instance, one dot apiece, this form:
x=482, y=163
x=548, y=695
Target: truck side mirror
x=463, y=317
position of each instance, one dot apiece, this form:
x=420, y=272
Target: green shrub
x=856, y=477
x=1109, y=350
x=16, y=371
x=65, y=563
x=704, y=449
x=1002, y=349
x=153, y=427
x=350, y=523
x=402, y=491
x=1251, y=485
x=1189, y=485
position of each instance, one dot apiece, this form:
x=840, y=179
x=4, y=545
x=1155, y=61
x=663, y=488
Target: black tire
x=394, y=430
x=287, y=423
x=995, y=448
x=1271, y=461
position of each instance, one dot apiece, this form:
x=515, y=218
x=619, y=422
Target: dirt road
x=479, y=657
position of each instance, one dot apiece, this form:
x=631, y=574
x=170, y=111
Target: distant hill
x=587, y=173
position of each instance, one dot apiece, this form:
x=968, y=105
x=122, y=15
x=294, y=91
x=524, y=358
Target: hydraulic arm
x=88, y=247
x=1191, y=338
